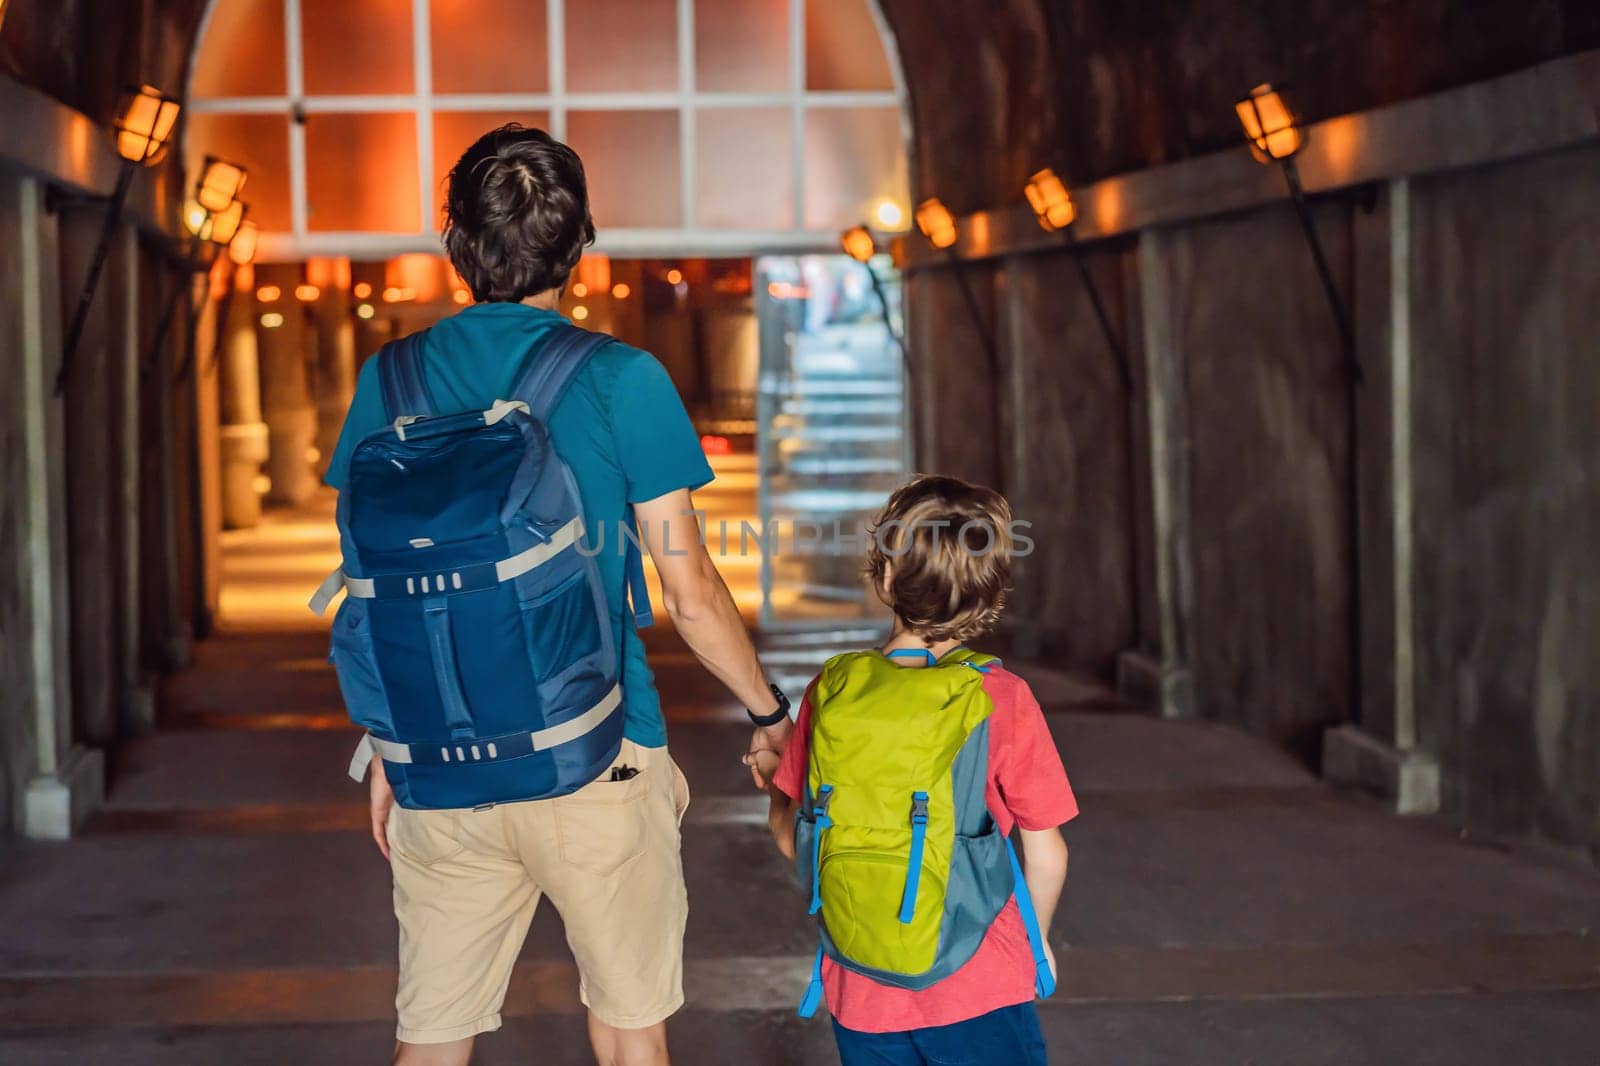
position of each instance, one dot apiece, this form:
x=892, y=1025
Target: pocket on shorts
x=601, y=827
x=680, y=790
x=424, y=837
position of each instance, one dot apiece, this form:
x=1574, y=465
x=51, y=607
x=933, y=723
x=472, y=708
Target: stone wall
x=1506, y=335
x=1269, y=492
x=1430, y=585
x=1069, y=460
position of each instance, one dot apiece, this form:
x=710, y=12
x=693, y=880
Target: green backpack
x=893, y=838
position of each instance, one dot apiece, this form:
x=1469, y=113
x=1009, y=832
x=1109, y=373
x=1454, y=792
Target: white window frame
x=689, y=239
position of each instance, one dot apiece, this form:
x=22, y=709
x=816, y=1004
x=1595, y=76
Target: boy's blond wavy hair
x=940, y=557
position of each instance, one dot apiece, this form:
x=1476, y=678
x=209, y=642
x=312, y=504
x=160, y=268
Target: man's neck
x=549, y=300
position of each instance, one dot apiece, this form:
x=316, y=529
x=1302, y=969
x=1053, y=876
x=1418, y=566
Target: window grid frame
x=687, y=238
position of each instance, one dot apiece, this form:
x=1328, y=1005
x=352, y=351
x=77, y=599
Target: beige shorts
x=466, y=884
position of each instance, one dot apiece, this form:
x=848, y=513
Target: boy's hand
x=763, y=763
x=381, y=803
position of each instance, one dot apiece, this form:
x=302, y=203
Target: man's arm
x=704, y=613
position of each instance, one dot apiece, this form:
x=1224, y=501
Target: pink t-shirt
x=1027, y=786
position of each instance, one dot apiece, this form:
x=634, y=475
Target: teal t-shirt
x=621, y=427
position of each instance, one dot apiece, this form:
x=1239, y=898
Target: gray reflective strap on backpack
x=405, y=391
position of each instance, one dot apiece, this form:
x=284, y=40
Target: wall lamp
x=213, y=222
x=1053, y=207
x=141, y=134
x=1275, y=137
x=938, y=225
x=859, y=244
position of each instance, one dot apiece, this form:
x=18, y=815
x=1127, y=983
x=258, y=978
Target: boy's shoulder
x=1005, y=689
x=838, y=669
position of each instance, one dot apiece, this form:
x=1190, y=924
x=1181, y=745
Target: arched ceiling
x=1092, y=87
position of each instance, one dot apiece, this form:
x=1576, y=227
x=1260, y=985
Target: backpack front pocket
x=861, y=897
x=350, y=651
x=563, y=627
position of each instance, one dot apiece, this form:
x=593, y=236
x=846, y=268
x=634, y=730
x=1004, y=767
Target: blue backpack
x=475, y=642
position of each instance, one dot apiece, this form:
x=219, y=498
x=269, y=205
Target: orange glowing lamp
x=220, y=184
x=307, y=293
x=144, y=124
x=225, y=224
x=269, y=294
x=1269, y=125
x=936, y=222
x=1052, y=204
x=197, y=220
x=858, y=244
x=242, y=249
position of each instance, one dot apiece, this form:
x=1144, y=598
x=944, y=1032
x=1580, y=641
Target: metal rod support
x=1341, y=318
x=986, y=338
x=979, y=324
x=888, y=318
x=180, y=287
x=905, y=352
x=1291, y=175
x=1118, y=353
x=80, y=315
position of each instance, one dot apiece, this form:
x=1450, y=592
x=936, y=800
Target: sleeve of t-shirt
x=1027, y=768
x=657, y=447
x=791, y=776
x=366, y=415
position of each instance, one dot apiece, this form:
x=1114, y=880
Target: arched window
x=707, y=126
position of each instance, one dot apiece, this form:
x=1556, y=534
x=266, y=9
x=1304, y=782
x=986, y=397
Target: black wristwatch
x=765, y=720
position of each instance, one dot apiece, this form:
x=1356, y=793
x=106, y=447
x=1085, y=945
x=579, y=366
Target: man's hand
x=766, y=748
x=382, y=802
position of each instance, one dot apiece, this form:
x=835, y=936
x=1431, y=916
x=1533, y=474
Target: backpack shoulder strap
x=552, y=367
x=550, y=371
x=979, y=661
x=405, y=391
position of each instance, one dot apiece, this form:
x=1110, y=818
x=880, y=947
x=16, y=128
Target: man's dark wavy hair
x=516, y=214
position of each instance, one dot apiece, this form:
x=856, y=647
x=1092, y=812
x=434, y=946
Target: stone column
x=1165, y=681
x=1379, y=752
x=244, y=433
x=139, y=702
x=336, y=369
x=63, y=782
x=285, y=390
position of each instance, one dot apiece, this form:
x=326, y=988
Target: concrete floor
x=1224, y=907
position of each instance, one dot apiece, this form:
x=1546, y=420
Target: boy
x=941, y=560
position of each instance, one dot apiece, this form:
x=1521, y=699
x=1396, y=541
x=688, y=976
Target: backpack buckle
x=919, y=808
x=819, y=808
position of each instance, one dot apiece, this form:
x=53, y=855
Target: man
x=466, y=882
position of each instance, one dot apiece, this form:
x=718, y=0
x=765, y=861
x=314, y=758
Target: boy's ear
x=882, y=585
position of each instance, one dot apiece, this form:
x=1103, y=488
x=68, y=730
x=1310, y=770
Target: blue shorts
x=1009, y=1036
